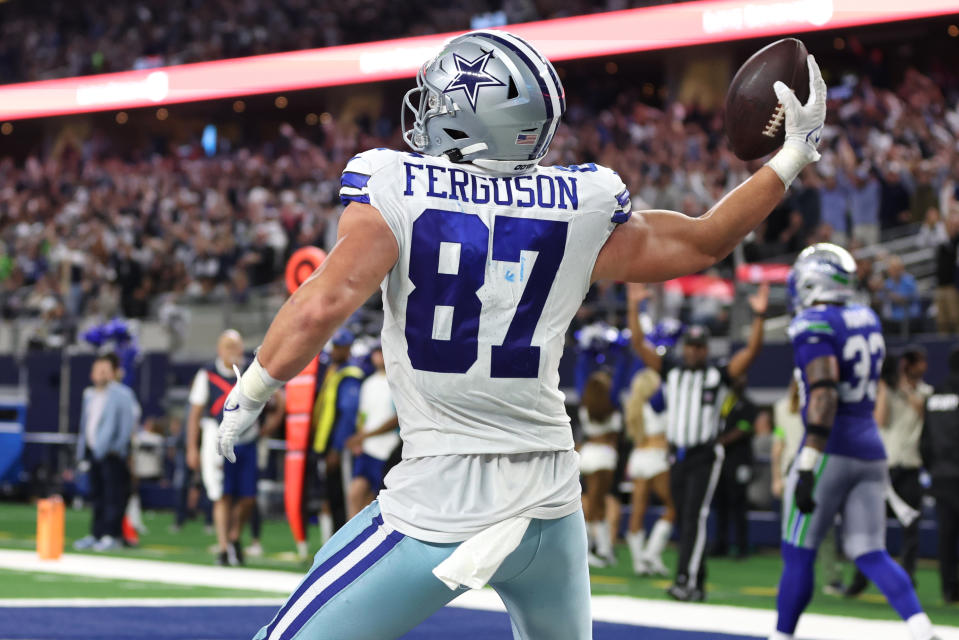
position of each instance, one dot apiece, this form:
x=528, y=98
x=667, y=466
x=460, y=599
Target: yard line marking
x=607, y=608
x=20, y=603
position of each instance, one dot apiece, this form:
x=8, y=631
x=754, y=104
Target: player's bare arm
x=654, y=246
x=823, y=376
x=743, y=359
x=364, y=253
x=636, y=293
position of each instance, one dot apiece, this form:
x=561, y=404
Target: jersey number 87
x=451, y=293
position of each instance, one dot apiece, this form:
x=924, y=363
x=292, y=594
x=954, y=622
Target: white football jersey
x=491, y=271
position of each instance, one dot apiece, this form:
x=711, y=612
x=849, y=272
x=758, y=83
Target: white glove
x=804, y=125
x=243, y=406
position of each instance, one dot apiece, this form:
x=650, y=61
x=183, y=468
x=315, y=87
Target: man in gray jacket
x=106, y=425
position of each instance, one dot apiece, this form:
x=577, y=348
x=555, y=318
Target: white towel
x=476, y=560
x=904, y=513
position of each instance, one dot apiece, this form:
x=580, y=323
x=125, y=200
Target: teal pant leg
x=545, y=582
x=367, y=583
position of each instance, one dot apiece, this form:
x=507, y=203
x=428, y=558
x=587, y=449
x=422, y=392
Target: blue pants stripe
x=342, y=582
x=318, y=572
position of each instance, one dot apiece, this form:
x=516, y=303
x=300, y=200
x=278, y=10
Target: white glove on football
x=804, y=125
x=243, y=406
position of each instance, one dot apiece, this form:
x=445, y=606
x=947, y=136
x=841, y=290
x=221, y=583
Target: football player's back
x=840, y=469
x=852, y=333
x=491, y=270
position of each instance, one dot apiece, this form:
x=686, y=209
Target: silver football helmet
x=488, y=98
x=822, y=273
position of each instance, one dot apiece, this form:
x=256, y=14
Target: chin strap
x=504, y=167
x=459, y=155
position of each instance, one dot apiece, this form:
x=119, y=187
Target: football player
x=483, y=257
x=841, y=465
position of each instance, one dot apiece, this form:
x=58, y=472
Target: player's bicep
x=365, y=251
x=652, y=246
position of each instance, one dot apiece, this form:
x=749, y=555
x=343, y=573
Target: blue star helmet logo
x=471, y=75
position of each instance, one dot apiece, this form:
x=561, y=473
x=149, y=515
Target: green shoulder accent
x=819, y=327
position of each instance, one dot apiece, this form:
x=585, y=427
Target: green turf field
x=191, y=544
x=26, y=584
x=750, y=583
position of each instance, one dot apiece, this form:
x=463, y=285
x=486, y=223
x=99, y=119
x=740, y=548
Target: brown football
x=755, y=121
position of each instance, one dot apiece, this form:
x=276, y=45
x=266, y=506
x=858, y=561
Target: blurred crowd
x=86, y=235
x=93, y=229
x=63, y=39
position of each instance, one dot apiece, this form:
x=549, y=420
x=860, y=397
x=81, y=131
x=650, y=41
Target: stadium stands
x=101, y=227
x=62, y=38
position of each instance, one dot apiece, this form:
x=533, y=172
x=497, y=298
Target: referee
x=695, y=389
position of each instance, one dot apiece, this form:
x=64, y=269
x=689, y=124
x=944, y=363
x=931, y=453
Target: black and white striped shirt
x=694, y=398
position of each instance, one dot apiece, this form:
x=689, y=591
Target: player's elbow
x=715, y=250
x=826, y=396
x=711, y=244
x=323, y=311
x=823, y=402
x=705, y=250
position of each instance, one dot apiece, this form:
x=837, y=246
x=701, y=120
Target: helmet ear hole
x=456, y=134
x=511, y=90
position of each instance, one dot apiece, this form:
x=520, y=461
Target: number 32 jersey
x=491, y=271
x=853, y=335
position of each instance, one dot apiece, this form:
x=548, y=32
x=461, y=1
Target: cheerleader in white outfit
x=601, y=424
x=648, y=467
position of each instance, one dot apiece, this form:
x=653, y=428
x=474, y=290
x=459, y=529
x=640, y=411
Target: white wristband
x=258, y=385
x=791, y=159
x=809, y=458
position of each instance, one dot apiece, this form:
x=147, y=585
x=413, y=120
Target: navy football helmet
x=823, y=273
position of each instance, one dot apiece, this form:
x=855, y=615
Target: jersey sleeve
x=616, y=195
x=371, y=178
x=813, y=335
x=355, y=181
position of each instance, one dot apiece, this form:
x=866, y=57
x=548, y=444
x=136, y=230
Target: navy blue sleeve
x=347, y=406
x=813, y=335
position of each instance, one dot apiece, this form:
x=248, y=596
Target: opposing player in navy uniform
x=841, y=465
x=484, y=258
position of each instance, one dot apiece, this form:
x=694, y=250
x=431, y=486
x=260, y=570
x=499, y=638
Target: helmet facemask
x=430, y=102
